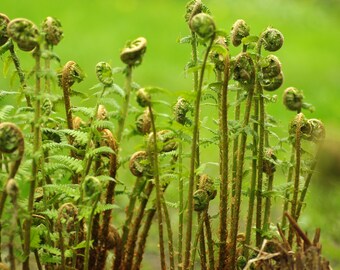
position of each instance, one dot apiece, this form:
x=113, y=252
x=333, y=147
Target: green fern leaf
x=50, y=146
x=74, y=164
x=5, y=111
x=103, y=124
x=84, y=110
x=79, y=136
x=4, y=94
x=100, y=151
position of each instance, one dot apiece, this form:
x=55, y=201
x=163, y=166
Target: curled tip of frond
x=132, y=54
x=4, y=20
x=11, y=138
x=53, y=31
x=239, y=30
x=24, y=32
x=272, y=39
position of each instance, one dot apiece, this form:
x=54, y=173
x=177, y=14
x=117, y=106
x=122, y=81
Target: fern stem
x=130, y=209
x=193, y=159
x=170, y=234
x=36, y=159
x=260, y=153
x=133, y=232
x=268, y=201
x=287, y=193
x=210, y=243
x=142, y=239
x=122, y=119
x=198, y=234
x=102, y=254
x=203, y=252
x=37, y=259
x=239, y=177
x=88, y=235
x=21, y=74
x=297, y=176
x=252, y=191
x=159, y=194
x=306, y=184
x=224, y=163
x=181, y=204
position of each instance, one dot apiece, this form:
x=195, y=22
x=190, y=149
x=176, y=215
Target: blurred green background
x=96, y=31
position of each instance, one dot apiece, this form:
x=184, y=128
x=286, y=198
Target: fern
x=105, y=207
x=73, y=164
x=103, y=124
x=84, y=110
x=69, y=190
x=51, y=146
x=101, y=151
x=52, y=168
x=5, y=111
x=79, y=136
x=4, y=94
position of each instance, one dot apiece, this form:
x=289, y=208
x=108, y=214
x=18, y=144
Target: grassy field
x=96, y=31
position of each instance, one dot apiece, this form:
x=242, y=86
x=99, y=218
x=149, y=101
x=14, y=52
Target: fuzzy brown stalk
x=130, y=209
x=133, y=232
x=210, y=243
x=202, y=253
x=222, y=261
x=170, y=235
x=113, y=166
x=142, y=239
x=268, y=203
x=198, y=235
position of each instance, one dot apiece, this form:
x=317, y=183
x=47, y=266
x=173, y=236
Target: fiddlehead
x=12, y=139
x=293, y=99
x=239, y=30
x=51, y=27
x=181, y=108
x=4, y=20
x=132, y=54
x=71, y=73
x=203, y=25
x=272, y=39
x=104, y=73
x=143, y=123
x=24, y=32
